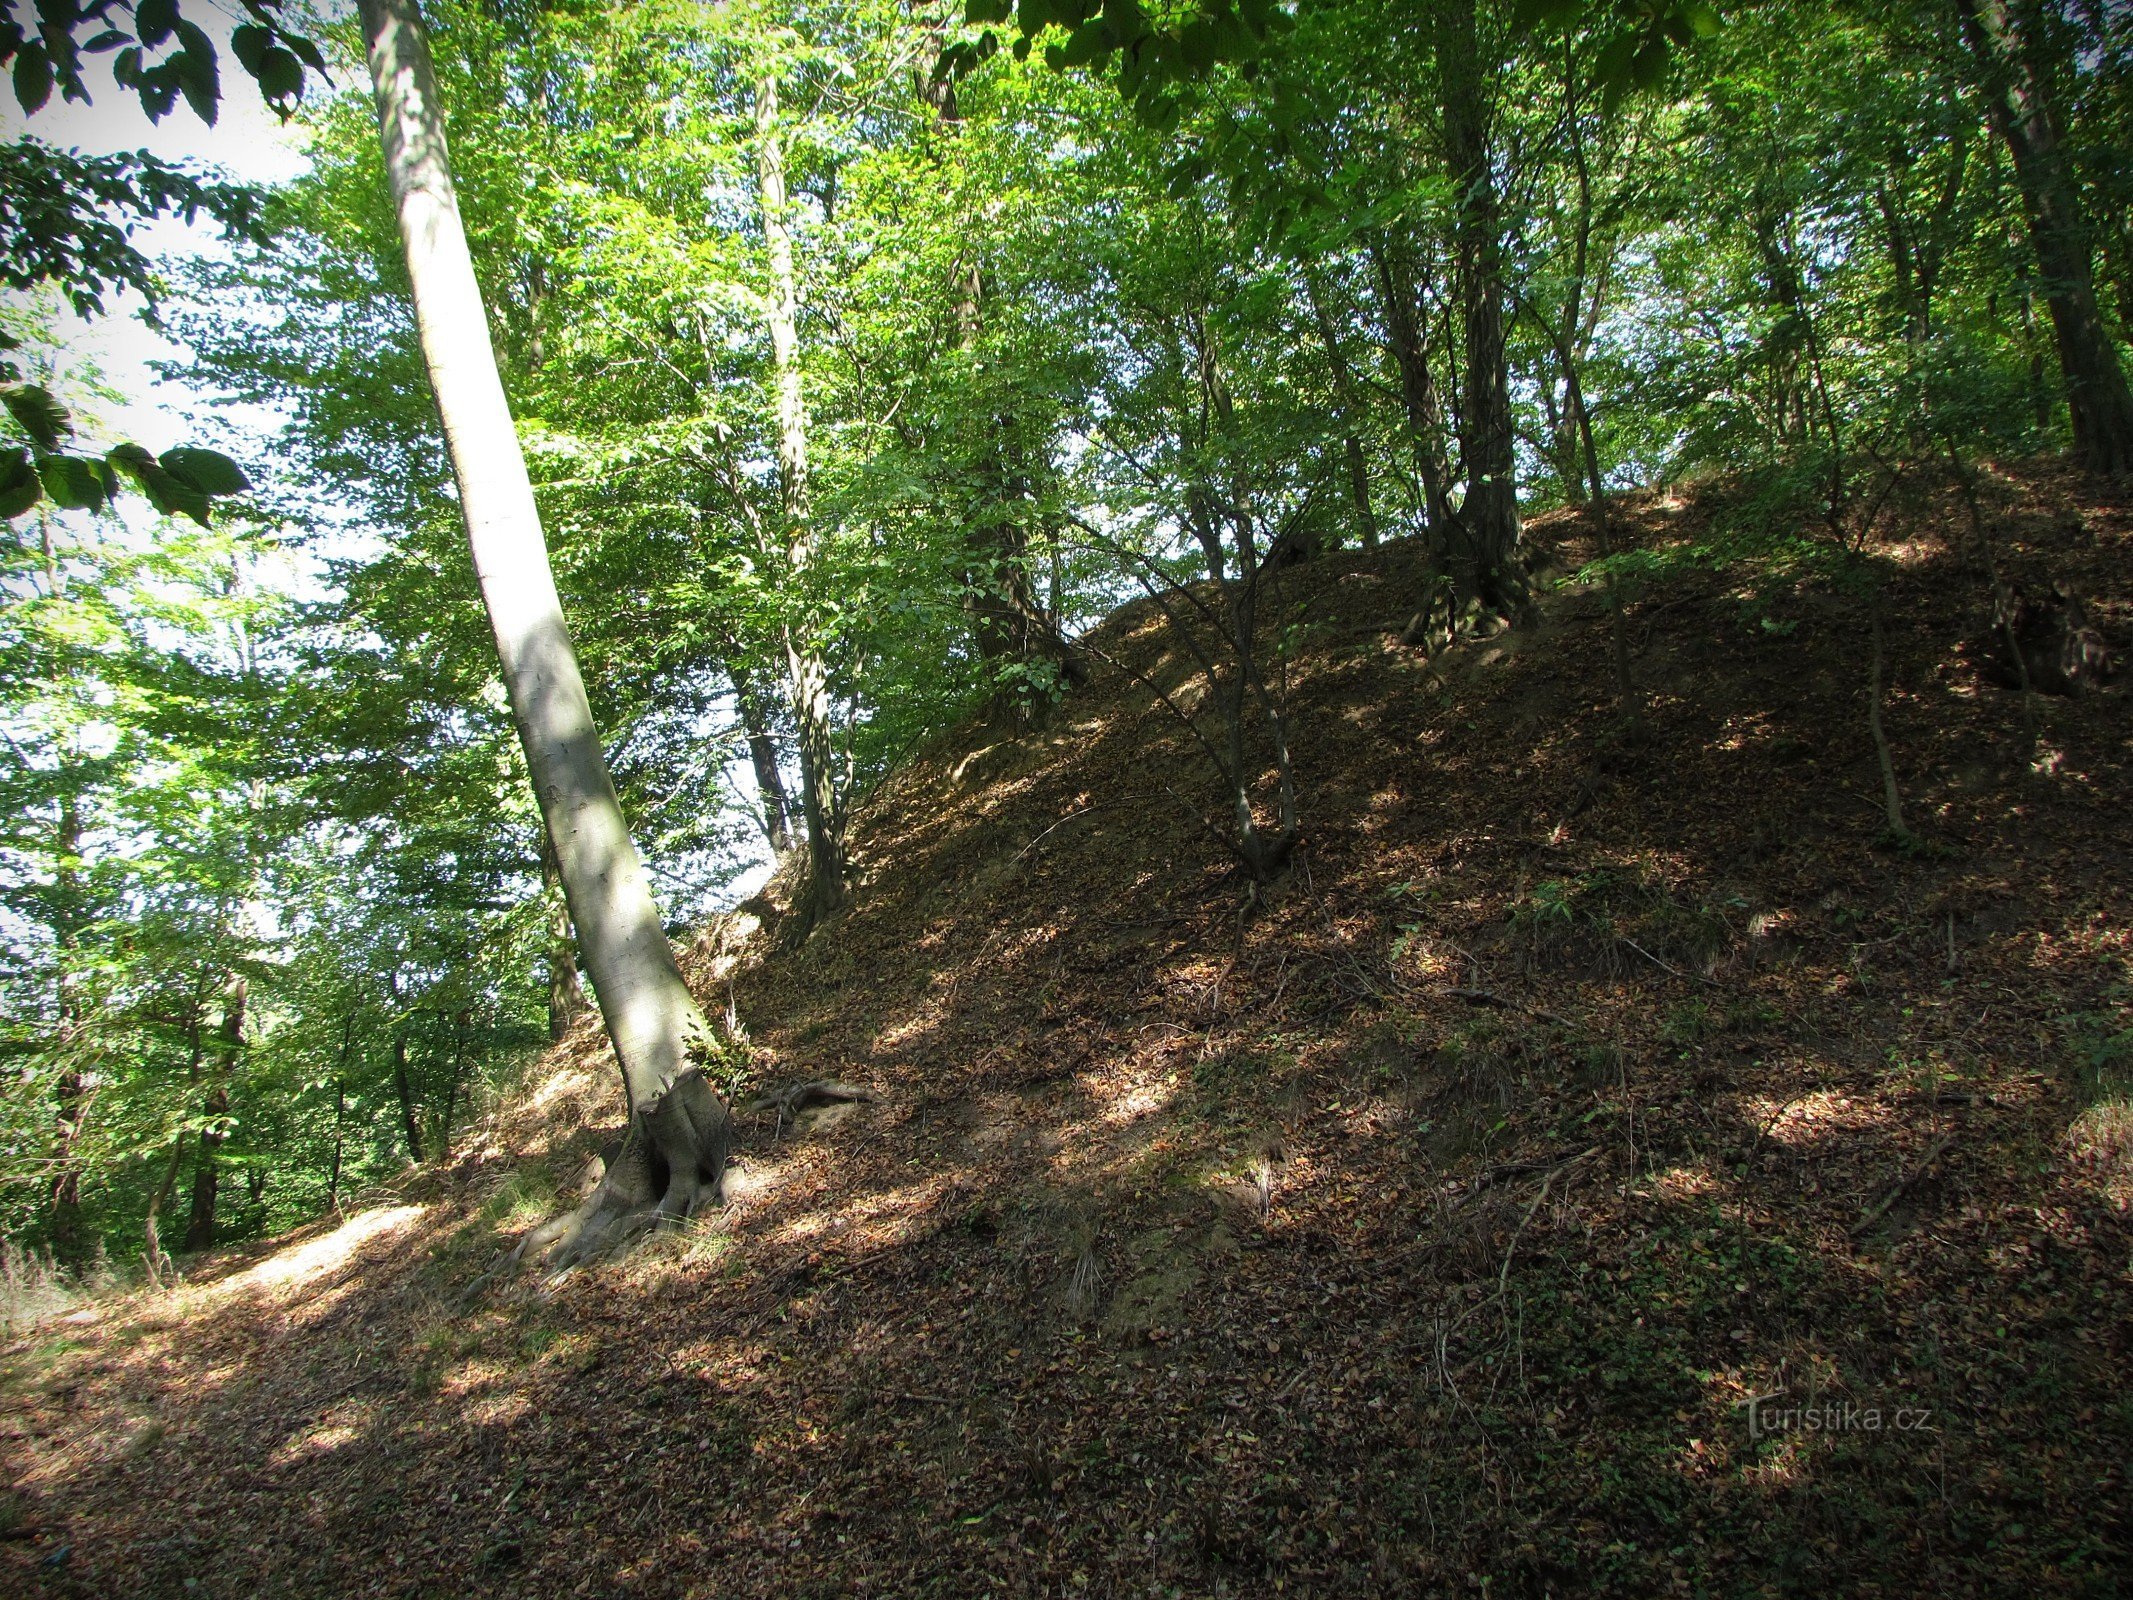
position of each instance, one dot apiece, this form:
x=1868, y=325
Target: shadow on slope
x=1427, y=1224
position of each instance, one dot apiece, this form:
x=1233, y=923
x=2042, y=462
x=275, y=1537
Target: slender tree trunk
x=207, y=1177
x=460, y=1029
x=1407, y=323
x=1564, y=335
x=1344, y=392
x=153, y=1256
x=763, y=757
x=340, y=1124
x=2018, y=101
x=403, y=1087
x=821, y=805
x=675, y=1154
x=1484, y=557
x=75, y=1090
x=74, y=1097
x=1008, y=627
x=1891, y=795
x=566, y=995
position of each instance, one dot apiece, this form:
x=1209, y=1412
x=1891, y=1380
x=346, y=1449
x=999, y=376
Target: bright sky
x=247, y=142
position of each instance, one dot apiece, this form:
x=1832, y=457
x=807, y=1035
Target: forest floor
x=1430, y=1224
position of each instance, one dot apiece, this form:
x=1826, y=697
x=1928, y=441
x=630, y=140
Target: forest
x=1038, y=712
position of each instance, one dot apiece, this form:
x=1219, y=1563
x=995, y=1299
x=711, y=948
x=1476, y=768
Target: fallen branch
x=1490, y=998
x=1663, y=966
x=1902, y=1186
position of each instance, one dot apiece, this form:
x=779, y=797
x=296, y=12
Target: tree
x=2018, y=100
x=821, y=799
x=674, y=1153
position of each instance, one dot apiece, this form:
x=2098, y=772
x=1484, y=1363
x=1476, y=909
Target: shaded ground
x=1422, y=1227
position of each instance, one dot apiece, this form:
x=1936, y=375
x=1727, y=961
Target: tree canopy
x=1049, y=307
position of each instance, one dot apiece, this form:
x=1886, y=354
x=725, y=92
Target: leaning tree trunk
x=763, y=757
x=673, y=1156
x=820, y=804
x=2098, y=402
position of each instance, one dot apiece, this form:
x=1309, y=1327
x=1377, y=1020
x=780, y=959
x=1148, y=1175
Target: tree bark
x=1344, y=393
x=763, y=757
x=821, y=805
x=566, y=995
x=1483, y=553
x=1408, y=326
x=207, y=1176
x=76, y=1089
x=153, y=1256
x=674, y=1155
x=340, y=1123
x=2018, y=102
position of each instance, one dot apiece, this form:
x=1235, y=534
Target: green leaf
x=209, y=471
x=154, y=20
x=1648, y=71
x=19, y=488
x=73, y=484
x=1612, y=68
x=37, y=414
x=165, y=491
x=249, y=44
x=1089, y=42
x=198, y=75
x=1198, y=44
x=976, y=12
x=306, y=52
x=33, y=78
x=1532, y=14
x=159, y=90
x=280, y=75
x=1703, y=19
x=172, y=497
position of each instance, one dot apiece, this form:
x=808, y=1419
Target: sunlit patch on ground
x=1054, y=1317
x=1814, y=1117
x=329, y=1251
x=324, y=1439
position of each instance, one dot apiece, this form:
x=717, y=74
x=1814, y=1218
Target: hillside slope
x=1423, y=1225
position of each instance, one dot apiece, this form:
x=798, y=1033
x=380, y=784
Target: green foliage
x=1049, y=356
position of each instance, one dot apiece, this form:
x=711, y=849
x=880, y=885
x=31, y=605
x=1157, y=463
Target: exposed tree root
x=795, y=1098
x=670, y=1165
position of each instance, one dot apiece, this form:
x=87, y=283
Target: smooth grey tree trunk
x=674, y=1155
x=821, y=805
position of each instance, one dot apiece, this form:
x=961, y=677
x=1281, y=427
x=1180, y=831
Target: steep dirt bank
x=1428, y=1222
